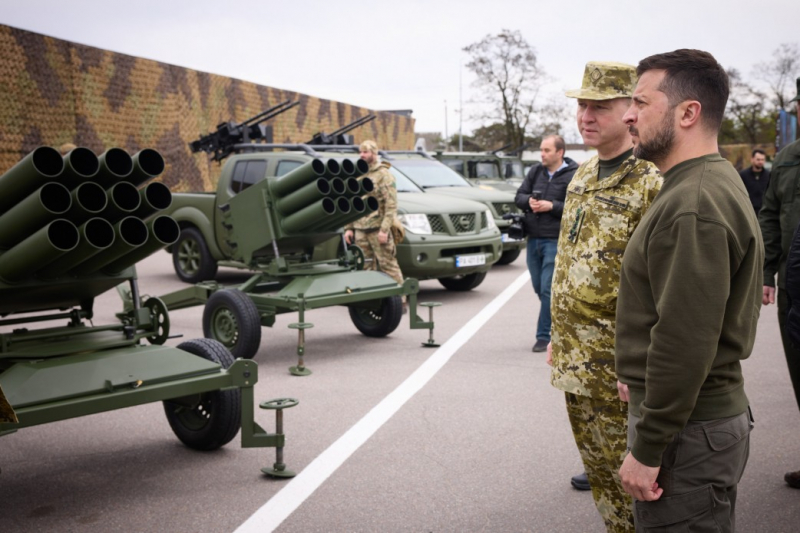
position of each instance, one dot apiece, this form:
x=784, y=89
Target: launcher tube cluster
x=80, y=214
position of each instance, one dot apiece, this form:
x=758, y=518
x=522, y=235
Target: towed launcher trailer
x=71, y=228
x=272, y=228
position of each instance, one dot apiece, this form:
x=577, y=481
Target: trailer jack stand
x=300, y=369
x=430, y=343
x=278, y=405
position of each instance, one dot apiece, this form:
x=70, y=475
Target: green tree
x=748, y=118
x=780, y=74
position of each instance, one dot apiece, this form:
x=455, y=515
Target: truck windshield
x=514, y=169
x=403, y=183
x=428, y=173
x=486, y=169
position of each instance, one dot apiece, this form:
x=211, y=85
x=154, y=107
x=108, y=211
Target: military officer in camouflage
x=605, y=201
x=373, y=232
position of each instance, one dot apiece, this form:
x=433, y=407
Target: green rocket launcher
x=71, y=228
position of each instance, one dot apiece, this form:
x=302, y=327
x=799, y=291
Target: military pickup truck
x=453, y=240
x=484, y=169
x=437, y=178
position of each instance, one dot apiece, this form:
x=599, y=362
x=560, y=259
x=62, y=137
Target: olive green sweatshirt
x=689, y=300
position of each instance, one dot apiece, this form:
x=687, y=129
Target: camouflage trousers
x=379, y=256
x=600, y=428
x=6, y=412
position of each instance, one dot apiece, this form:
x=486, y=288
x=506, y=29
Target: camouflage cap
x=797, y=98
x=603, y=80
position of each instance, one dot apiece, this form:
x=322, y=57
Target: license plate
x=470, y=260
x=505, y=238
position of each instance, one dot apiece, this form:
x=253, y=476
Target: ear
x=688, y=113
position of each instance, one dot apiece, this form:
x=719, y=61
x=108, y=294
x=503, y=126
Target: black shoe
x=540, y=346
x=793, y=479
x=580, y=482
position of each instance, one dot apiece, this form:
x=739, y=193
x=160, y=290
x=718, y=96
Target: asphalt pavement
x=481, y=444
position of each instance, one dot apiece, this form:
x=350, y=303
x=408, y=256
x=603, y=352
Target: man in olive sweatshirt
x=689, y=300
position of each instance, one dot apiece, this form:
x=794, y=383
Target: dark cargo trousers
x=792, y=353
x=700, y=470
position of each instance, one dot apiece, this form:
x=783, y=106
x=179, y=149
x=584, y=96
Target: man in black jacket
x=756, y=178
x=541, y=197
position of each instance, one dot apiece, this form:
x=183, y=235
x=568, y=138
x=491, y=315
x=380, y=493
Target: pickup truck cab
x=438, y=178
x=484, y=169
x=455, y=241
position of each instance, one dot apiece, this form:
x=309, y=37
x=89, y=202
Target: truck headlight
x=490, y=223
x=416, y=223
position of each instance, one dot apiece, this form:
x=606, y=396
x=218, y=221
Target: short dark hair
x=692, y=75
x=558, y=141
x=758, y=151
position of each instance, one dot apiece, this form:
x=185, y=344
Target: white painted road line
x=283, y=504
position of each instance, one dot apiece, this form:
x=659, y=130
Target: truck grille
x=437, y=224
x=463, y=223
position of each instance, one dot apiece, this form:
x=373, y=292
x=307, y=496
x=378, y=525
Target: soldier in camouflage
x=373, y=232
x=605, y=201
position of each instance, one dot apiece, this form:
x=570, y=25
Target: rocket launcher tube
x=29, y=215
x=362, y=167
x=154, y=197
x=333, y=167
x=344, y=211
x=352, y=187
x=88, y=200
x=164, y=231
x=338, y=186
x=297, y=178
x=147, y=164
x=115, y=164
x=367, y=185
x=34, y=170
x=298, y=222
x=348, y=167
x=80, y=165
x=96, y=234
x=304, y=196
x=129, y=233
x=46, y=245
x=123, y=200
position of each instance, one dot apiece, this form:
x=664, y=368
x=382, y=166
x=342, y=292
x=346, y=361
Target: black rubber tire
x=509, y=257
x=463, y=283
x=216, y=416
x=191, y=246
x=378, y=323
x=234, y=311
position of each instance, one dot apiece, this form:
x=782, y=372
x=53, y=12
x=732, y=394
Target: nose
x=629, y=117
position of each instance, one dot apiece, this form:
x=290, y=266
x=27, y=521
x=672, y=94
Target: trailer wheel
x=231, y=317
x=191, y=259
x=209, y=420
x=463, y=283
x=509, y=257
x=378, y=323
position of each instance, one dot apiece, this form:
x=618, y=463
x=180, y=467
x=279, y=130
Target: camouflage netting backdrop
x=57, y=92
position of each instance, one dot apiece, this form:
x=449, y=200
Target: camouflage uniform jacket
x=386, y=193
x=599, y=219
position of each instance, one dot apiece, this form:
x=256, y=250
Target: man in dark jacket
x=541, y=197
x=779, y=217
x=756, y=178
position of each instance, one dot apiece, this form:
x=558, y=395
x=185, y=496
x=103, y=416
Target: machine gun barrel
x=270, y=113
x=502, y=148
x=355, y=124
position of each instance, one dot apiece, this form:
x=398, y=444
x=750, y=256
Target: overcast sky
x=406, y=54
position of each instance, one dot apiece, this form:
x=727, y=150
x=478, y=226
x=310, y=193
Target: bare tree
x=779, y=74
x=510, y=78
x=747, y=112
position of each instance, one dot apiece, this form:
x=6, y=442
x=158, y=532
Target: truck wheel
x=463, y=283
x=231, y=317
x=509, y=257
x=208, y=420
x=378, y=323
x=191, y=259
